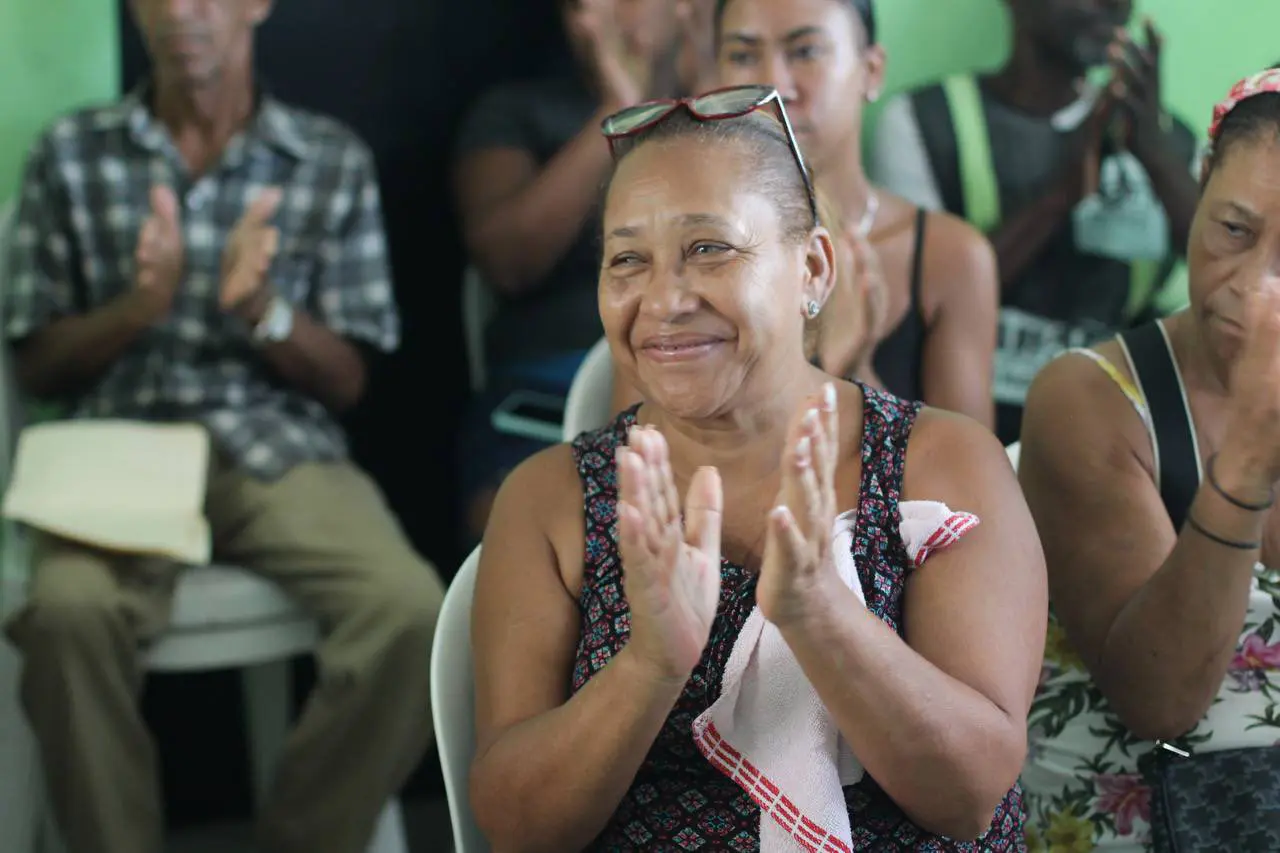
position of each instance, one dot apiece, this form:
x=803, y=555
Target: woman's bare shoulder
x=959, y=261
x=940, y=440
x=542, y=499
x=1076, y=409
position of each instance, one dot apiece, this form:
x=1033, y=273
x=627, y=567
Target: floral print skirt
x=1082, y=785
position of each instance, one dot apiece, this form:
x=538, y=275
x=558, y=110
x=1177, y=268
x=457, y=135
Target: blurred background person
x=935, y=274
x=1087, y=193
x=530, y=164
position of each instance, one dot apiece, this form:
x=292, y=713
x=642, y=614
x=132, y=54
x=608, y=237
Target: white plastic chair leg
x=388, y=836
x=268, y=692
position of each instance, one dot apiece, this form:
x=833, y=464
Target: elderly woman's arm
x=939, y=721
x=1155, y=616
x=549, y=770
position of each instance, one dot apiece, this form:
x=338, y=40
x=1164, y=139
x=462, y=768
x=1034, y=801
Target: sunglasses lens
x=625, y=121
x=730, y=101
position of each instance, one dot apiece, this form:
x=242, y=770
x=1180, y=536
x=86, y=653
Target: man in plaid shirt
x=200, y=252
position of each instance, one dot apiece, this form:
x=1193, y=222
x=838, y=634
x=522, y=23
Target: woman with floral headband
x=1150, y=464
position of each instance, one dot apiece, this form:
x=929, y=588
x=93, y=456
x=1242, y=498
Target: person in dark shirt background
x=1086, y=192
x=529, y=169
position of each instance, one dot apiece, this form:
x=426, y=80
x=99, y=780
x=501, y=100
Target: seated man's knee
x=72, y=600
x=404, y=601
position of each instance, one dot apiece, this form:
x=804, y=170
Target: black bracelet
x=1232, y=499
x=1213, y=537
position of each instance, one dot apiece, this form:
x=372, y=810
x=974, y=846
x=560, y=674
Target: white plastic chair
x=222, y=617
x=478, y=304
x=590, y=401
x=453, y=704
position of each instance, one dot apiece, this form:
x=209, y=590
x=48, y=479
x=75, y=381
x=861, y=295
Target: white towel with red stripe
x=769, y=731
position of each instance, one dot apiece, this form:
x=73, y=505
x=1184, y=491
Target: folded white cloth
x=769, y=731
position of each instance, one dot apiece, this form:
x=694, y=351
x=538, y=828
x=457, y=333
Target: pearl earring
x=873, y=96
x=813, y=308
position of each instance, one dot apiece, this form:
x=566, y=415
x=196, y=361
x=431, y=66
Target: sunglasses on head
x=732, y=102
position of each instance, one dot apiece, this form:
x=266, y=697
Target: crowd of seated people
x=799, y=613
x=792, y=595
x=728, y=585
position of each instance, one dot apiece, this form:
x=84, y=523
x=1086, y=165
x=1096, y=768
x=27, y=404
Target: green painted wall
x=1208, y=45
x=59, y=54
x=54, y=55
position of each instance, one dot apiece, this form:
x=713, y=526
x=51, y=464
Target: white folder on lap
x=125, y=486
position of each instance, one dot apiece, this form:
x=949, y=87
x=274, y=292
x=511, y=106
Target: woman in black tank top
x=940, y=345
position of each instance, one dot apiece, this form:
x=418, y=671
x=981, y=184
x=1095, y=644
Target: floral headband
x=1264, y=81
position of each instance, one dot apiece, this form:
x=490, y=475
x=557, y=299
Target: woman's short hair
x=759, y=138
x=863, y=9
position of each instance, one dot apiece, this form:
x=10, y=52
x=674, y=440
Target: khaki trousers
x=324, y=533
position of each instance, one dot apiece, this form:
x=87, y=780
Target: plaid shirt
x=83, y=201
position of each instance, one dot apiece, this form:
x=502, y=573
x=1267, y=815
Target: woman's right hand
x=1248, y=463
x=855, y=315
x=671, y=571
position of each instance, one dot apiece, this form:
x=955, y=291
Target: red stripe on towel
x=956, y=525
x=807, y=832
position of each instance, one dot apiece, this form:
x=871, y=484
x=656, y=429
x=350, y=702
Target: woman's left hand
x=798, y=570
x=1135, y=85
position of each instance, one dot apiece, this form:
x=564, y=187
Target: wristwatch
x=277, y=322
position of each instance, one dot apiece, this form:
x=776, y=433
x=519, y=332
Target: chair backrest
x=590, y=401
x=453, y=704
x=1015, y=453
x=478, y=304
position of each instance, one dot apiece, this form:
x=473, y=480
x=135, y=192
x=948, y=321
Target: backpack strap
x=978, y=180
x=1173, y=437
x=980, y=189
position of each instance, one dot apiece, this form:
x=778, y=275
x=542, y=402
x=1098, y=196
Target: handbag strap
x=978, y=181
x=1177, y=456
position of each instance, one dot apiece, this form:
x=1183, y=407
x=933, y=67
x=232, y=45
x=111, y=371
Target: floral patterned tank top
x=678, y=801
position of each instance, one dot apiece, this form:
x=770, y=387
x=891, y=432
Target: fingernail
x=779, y=513
x=829, y=396
x=802, y=449
x=810, y=418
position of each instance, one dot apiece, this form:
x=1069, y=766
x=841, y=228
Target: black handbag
x=1226, y=801
x=1229, y=800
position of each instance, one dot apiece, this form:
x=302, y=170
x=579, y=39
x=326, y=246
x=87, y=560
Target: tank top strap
x=878, y=548
x=1130, y=391
x=917, y=264
x=595, y=453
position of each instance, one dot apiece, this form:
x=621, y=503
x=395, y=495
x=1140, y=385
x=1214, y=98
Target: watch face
x=278, y=322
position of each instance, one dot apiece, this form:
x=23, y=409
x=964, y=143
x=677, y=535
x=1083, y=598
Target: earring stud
x=813, y=308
